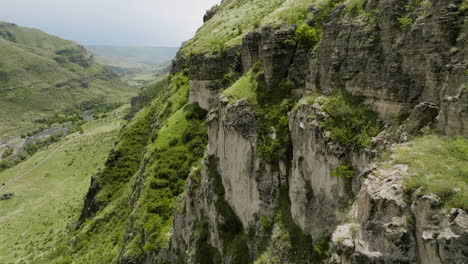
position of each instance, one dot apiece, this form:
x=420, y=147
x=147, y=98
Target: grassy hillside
x=234, y=19
x=136, y=65
x=170, y=150
x=49, y=189
x=41, y=75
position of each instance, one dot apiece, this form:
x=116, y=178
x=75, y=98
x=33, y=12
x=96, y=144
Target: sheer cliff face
x=419, y=69
x=394, y=67
x=321, y=192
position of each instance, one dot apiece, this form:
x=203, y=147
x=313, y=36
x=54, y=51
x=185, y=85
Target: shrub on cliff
x=350, y=123
x=179, y=146
x=355, y=7
x=405, y=22
x=308, y=36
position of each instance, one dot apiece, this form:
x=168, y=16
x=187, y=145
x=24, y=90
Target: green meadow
x=49, y=188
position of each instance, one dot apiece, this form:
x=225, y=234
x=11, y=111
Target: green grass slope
x=437, y=165
x=49, y=189
x=235, y=18
x=41, y=75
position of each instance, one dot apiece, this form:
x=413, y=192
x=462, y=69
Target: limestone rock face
x=203, y=92
x=419, y=70
x=385, y=228
x=319, y=199
x=214, y=66
x=441, y=237
x=250, y=184
x=207, y=74
x=393, y=67
x=274, y=47
x=316, y=196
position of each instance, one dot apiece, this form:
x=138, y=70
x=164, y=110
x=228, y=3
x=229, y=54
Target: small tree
x=308, y=36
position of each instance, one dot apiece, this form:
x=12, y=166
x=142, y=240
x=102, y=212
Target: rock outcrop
x=209, y=73
x=274, y=47
x=210, y=13
x=393, y=69
x=385, y=227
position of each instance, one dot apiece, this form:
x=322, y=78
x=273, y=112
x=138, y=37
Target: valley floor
x=49, y=188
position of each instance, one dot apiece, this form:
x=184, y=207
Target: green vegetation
x=266, y=223
x=154, y=89
x=288, y=243
x=347, y=172
x=42, y=75
x=104, y=232
x=236, y=18
x=305, y=250
x=233, y=17
x=230, y=228
x=308, y=36
x=464, y=6
x=48, y=189
x=227, y=80
x=355, y=7
x=405, y=22
x=7, y=153
x=273, y=136
x=170, y=150
x=413, y=5
x=271, y=107
x=32, y=148
x=100, y=238
x=414, y=9
x=102, y=110
x=73, y=116
x=9, y=160
x=204, y=252
x=76, y=55
x=180, y=145
x=244, y=87
x=350, y=123
x=439, y=165
x=125, y=158
x=344, y=171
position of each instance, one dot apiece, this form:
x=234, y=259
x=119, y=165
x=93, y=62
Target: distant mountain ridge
x=42, y=75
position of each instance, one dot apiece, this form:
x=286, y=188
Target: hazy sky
x=112, y=22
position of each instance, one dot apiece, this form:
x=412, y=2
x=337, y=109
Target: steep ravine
x=289, y=147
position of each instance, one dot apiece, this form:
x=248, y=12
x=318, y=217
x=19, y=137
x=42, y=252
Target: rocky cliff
x=340, y=138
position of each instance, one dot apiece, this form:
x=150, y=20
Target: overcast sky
x=111, y=22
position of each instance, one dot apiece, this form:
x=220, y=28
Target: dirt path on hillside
x=40, y=163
